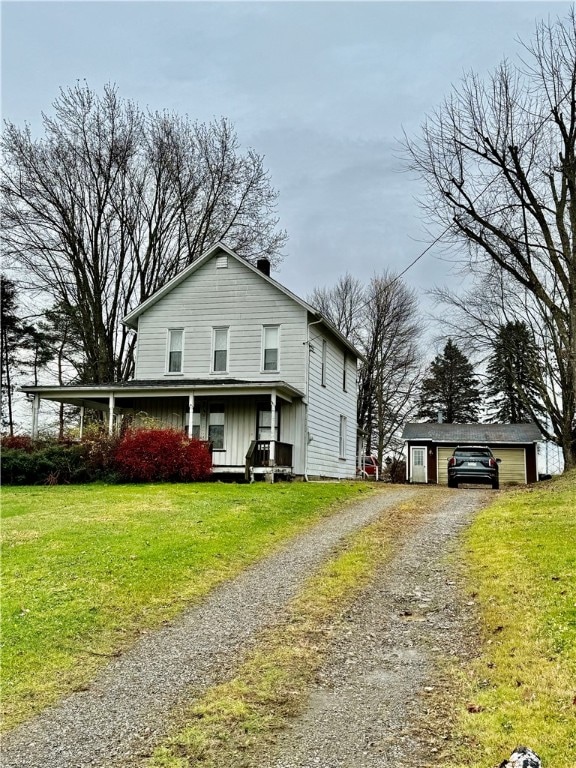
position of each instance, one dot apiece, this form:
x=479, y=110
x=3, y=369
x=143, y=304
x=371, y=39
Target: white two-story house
x=229, y=355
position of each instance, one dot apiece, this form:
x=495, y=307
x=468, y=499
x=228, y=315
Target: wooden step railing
x=258, y=455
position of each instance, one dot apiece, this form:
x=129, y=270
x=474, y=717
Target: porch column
x=111, y=413
x=190, y=413
x=81, y=422
x=272, y=428
x=35, y=409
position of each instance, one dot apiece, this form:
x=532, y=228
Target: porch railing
x=259, y=455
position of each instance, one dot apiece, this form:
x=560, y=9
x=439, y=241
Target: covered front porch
x=253, y=428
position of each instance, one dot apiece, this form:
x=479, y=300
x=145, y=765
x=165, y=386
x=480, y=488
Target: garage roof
x=473, y=433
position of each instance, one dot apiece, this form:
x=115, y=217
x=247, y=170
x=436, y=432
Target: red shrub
x=162, y=454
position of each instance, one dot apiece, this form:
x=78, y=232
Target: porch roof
x=93, y=395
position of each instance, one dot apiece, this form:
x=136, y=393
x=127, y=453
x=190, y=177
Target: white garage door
x=512, y=466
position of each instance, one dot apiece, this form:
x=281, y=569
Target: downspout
x=307, y=391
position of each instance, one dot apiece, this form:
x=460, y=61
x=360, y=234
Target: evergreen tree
x=450, y=387
x=512, y=370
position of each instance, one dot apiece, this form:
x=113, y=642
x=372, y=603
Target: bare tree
x=343, y=305
x=381, y=319
x=499, y=162
x=112, y=202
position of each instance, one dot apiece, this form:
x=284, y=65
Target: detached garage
x=429, y=446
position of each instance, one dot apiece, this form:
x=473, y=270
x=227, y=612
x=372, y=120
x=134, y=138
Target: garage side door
x=444, y=454
x=513, y=465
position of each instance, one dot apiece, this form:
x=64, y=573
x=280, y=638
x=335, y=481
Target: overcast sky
x=323, y=90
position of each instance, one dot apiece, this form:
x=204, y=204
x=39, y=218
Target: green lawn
x=521, y=561
x=85, y=568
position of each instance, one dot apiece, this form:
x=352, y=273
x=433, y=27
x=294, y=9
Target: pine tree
x=450, y=387
x=511, y=372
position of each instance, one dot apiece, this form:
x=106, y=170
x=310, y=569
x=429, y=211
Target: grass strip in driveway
x=521, y=561
x=87, y=568
x=234, y=723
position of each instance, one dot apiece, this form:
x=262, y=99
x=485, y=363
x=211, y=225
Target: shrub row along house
x=229, y=355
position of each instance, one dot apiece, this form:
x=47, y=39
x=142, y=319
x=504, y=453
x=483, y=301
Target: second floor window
x=323, y=363
x=220, y=355
x=175, y=341
x=270, y=348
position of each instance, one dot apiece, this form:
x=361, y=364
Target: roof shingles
x=472, y=433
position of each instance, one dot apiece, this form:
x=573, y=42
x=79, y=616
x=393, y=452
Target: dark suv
x=473, y=464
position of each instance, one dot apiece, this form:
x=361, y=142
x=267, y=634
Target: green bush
x=48, y=465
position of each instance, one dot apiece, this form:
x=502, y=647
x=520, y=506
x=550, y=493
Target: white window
x=344, y=366
x=324, y=358
x=216, y=427
x=175, y=343
x=264, y=423
x=270, y=348
x=196, y=424
x=220, y=354
x=343, y=428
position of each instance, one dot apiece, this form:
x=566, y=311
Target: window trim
x=264, y=348
x=216, y=328
x=324, y=363
x=345, y=373
x=342, y=437
x=169, y=332
x=218, y=404
x=264, y=407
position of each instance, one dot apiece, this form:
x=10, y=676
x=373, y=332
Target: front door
x=418, y=464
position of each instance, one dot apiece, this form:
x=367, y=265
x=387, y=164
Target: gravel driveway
x=366, y=708
x=124, y=710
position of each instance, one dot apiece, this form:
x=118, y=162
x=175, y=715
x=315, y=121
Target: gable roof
x=473, y=433
x=131, y=318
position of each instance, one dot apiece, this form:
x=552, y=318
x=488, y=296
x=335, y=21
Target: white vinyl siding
x=326, y=405
x=271, y=348
x=237, y=298
x=220, y=350
x=175, y=346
